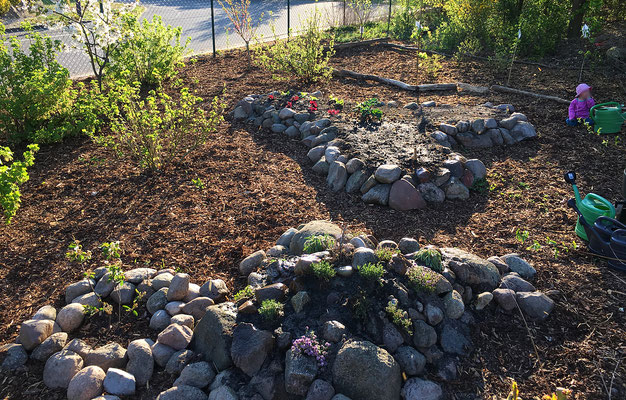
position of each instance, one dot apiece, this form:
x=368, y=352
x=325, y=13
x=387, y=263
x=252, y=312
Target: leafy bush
x=159, y=129
x=323, y=270
x=5, y=5
x=304, y=57
x=37, y=103
x=11, y=177
x=399, y=317
x=368, y=111
x=385, y=254
x=403, y=22
x=150, y=51
x=371, y=272
x=422, y=279
x=270, y=309
x=244, y=293
x=316, y=243
x=430, y=258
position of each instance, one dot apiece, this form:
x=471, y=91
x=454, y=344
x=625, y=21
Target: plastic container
x=592, y=207
x=608, y=117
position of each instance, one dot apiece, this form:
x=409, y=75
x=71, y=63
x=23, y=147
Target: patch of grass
x=271, y=310
x=371, y=272
x=317, y=243
x=422, y=279
x=399, y=317
x=323, y=271
x=430, y=258
x=244, y=293
x=351, y=33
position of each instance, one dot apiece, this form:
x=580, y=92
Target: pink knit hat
x=582, y=88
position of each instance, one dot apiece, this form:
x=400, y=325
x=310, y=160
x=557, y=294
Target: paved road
x=195, y=18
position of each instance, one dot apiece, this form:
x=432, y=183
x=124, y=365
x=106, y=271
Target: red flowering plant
x=333, y=112
x=312, y=106
x=271, y=97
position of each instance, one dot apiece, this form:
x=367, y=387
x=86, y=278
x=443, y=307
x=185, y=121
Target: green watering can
x=591, y=207
x=608, y=117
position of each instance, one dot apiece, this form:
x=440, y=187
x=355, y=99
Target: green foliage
x=430, y=258
x=5, y=5
x=323, y=270
x=422, y=279
x=11, y=177
x=76, y=253
x=157, y=130
x=303, y=57
x=271, y=310
x=316, y=243
x=197, y=182
x=245, y=293
x=431, y=64
x=368, y=111
x=385, y=254
x=521, y=236
x=135, y=304
x=403, y=22
x=371, y=272
x=151, y=51
x=360, y=306
x=37, y=103
x=399, y=317
x=111, y=250
x=352, y=33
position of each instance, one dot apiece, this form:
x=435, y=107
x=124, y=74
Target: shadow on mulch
x=259, y=184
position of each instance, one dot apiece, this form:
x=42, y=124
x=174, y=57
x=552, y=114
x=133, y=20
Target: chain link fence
x=210, y=30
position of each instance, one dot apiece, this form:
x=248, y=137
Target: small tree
x=238, y=11
x=362, y=9
x=11, y=177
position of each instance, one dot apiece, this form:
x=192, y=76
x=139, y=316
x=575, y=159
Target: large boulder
x=337, y=176
x=61, y=368
x=536, y=305
x=250, y=347
x=523, y=130
x=140, y=361
x=313, y=228
x=388, y=173
x=34, y=331
x=112, y=355
x=300, y=371
x=519, y=265
x=212, y=337
x=379, y=194
x=472, y=270
x=86, y=384
x=404, y=196
x=383, y=377
x=420, y=389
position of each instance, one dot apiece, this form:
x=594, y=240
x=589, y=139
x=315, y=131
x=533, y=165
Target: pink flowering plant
x=309, y=345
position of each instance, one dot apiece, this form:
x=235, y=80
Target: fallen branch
x=505, y=89
x=393, y=82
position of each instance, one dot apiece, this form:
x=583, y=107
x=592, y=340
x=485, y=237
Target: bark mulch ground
x=257, y=184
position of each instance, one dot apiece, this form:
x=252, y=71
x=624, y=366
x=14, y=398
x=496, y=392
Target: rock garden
x=321, y=306
x=403, y=157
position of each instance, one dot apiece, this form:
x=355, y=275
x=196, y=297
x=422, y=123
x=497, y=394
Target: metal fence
x=210, y=30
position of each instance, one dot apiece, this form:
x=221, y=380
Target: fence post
x=389, y=19
x=344, y=12
x=288, y=19
x=213, y=28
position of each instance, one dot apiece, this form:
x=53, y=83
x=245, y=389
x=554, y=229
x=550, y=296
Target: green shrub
x=157, y=130
x=37, y=102
x=304, y=57
x=403, y=22
x=422, y=279
x=323, y=270
x=316, y=243
x=150, y=51
x=368, y=111
x=385, y=254
x=430, y=258
x=399, y=317
x=244, y=293
x=371, y=272
x=11, y=177
x=271, y=310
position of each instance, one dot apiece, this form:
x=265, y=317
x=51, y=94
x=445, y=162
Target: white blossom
x=585, y=31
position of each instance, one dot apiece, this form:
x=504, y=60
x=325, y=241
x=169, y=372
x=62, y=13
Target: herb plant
x=368, y=111
x=399, y=317
x=11, y=177
x=384, y=254
x=422, y=279
x=316, y=243
x=323, y=270
x=430, y=258
x=271, y=309
x=371, y=272
x=244, y=293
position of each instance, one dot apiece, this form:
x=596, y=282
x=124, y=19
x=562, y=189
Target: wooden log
x=393, y=82
x=506, y=89
x=466, y=87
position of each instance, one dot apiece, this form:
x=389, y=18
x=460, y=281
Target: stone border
x=212, y=346
x=388, y=185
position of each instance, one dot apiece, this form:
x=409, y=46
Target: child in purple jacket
x=580, y=106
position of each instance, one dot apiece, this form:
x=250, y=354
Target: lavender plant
x=308, y=344
x=422, y=279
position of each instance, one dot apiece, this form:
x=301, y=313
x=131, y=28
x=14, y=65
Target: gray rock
x=441, y=138
x=471, y=269
x=212, y=337
x=355, y=181
x=240, y=114
x=285, y=238
x=519, y=265
x=369, y=184
x=79, y=347
x=112, y=355
x=321, y=167
x=408, y=245
x=286, y=113
x=429, y=104
x=382, y=381
x=162, y=280
x=441, y=176
x=482, y=300
x=251, y=263
x=508, y=123
x=340, y=397
x=453, y=303
x=137, y=275
x=431, y=193
x=448, y=129
x=420, y=389
x=88, y=299
x=411, y=106
x=506, y=107
x=71, y=317
x=124, y=293
x=197, y=307
x=77, y=289
x=161, y=354
x=478, y=125
x=179, y=286
x=496, y=137
x=86, y=384
x=379, y=194
x=491, y=123
x=316, y=153
x=292, y=132
x=514, y=282
x=279, y=128
x=463, y=126
x=183, y=319
x=250, y=347
x=411, y=361
x=105, y=285
x=505, y=298
x=392, y=338
x=454, y=166
x=182, y=392
x=214, y=289
x=331, y=154
x=477, y=168
x=355, y=164
x=61, y=368
x=506, y=136
x=157, y=301
x=522, y=131
x=454, y=337
x=424, y=335
x=13, y=356
x=174, y=307
x=223, y=393
x=178, y=361
x=325, y=136
x=320, y=390
x=300, y=300
x=333, y=331
x=337, y=176
x=119, y=383
x=313, y=228
x=362, y=256
x=456, y=190
x=53, y=344
x=433, y=314
x=34, y=331
x=346, y=271
x=46, y=312
x=500, y=264
x=176, y=336
x=387, y=173
x=300, y=371
x=140, y=361
x=536, y=305
x=198, y=375
x=275, y=291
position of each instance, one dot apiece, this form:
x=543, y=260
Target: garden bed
x=256, y=187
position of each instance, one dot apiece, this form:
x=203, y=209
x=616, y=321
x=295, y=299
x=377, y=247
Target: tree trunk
x=576, y=18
